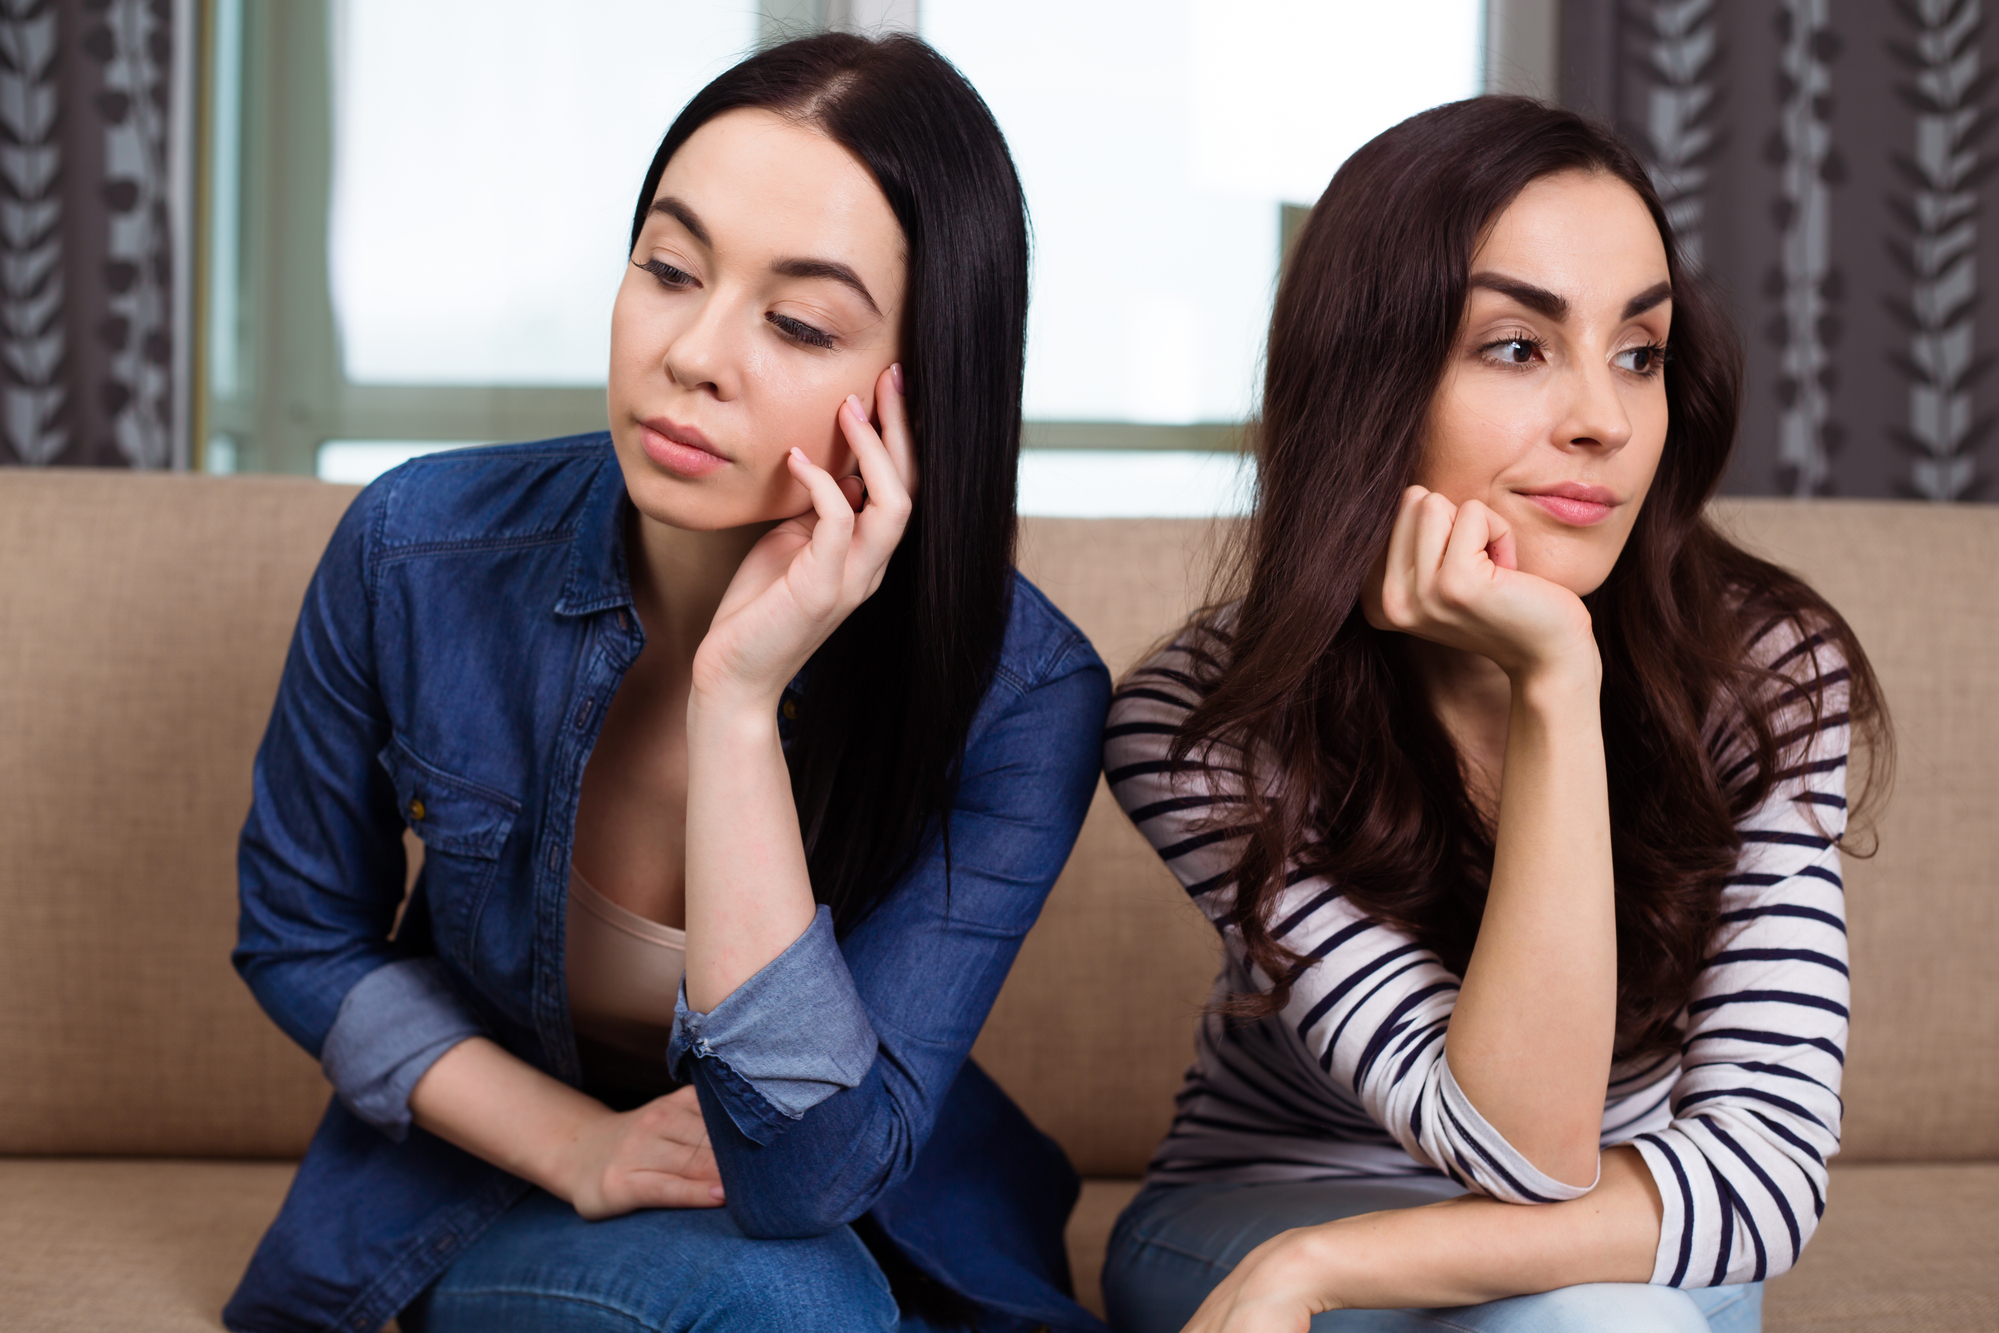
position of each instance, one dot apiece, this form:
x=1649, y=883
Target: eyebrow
x=668, y=206
x=1545, y=302
x=1538, y=299
x=1645, y=300
x=826, y=268
x=833, y=269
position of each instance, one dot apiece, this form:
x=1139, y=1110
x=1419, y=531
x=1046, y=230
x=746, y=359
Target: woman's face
x=766, y=286
x=1552, y=410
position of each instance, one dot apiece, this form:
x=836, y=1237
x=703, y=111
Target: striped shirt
x=1349, y=1079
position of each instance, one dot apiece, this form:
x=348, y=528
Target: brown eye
x=1646, y=360
x=1511, y=351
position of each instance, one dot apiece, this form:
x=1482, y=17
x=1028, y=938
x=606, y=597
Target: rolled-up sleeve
x=768, y=1068
x=391, y=1028
x=865, y=1040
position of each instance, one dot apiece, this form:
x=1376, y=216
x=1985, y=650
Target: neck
x=1473, y=699
x=679, y=577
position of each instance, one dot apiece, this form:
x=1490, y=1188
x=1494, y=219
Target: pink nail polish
x=895, y=373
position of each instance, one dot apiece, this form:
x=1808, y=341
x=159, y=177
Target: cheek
x=1649, y=420
x=1470, y=437
x=786, y=410
x=639, y=335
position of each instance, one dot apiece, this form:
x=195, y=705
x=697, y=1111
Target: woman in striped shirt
x=1513, y=787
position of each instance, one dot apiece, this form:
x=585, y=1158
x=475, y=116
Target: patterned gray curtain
x=91, y=156
x=1827, y=161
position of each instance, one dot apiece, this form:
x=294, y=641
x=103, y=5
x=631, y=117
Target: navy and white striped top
x=1349, y=1079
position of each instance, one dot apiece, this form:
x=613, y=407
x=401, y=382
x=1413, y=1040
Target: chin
x=693, y=506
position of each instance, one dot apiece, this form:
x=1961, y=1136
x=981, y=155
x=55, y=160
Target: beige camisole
x=624, y=975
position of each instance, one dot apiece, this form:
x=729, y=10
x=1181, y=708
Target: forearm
x=749, y=894
x=1531, y=1035
x=1472, y=1249
x=501, y=1109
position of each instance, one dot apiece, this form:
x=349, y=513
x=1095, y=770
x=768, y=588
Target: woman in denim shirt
x=753, y=665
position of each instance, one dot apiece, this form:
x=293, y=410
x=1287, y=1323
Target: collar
x=599, y=578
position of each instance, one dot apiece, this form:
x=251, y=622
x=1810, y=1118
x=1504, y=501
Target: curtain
x=1826, y=162
x=92, y=197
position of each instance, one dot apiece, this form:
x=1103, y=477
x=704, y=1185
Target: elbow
x=1579, y=1166
x=788, y=1214
x=790, y=1193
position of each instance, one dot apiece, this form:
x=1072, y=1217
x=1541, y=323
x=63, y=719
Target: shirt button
x=790, y=710
x=416, y=807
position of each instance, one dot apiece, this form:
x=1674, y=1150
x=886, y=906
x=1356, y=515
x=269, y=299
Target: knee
x=827, y=1282
x=1630, y=1307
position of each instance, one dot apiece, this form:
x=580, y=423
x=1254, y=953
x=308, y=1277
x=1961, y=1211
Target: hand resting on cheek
x=1450, y=576
x=807, y=574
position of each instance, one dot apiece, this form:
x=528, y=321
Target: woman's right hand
x=656, y=1156
x=1449, y=576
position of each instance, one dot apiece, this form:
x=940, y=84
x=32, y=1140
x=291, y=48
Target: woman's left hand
x=809, y=572
x=1277, y=1288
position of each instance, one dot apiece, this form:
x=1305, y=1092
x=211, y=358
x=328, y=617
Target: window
x=420, y=210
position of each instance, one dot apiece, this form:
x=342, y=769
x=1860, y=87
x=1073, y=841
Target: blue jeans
x=543, y=1269
x=1176, y=1242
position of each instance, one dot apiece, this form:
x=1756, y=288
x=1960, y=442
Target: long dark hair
x=889, y=699
x=1369, y=789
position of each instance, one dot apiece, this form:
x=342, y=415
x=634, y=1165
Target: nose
x=1594, y=416
x=704, y=353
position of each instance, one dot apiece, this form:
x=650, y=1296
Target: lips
x=1574, y=503
x=681, y=450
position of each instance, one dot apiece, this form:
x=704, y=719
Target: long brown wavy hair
x=1356, y=778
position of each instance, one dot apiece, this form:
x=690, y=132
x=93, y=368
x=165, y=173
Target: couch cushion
x=146, y=619
x=155, y=1245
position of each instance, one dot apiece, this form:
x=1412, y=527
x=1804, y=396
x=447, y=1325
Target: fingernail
x=895, y=373
x=854, y=401
x=715, y=1193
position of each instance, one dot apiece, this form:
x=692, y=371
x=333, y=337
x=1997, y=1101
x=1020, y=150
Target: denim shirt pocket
x=463, y=826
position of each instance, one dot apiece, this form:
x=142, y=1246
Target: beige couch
x=148, y=1111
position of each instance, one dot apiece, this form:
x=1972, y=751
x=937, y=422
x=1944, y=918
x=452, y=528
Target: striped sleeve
x=1371, y=1010
x=1741, y=1168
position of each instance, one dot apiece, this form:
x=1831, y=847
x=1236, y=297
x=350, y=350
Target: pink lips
x=1574, y=503
x=681, y=450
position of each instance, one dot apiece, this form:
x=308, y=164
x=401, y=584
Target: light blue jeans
x=1176, y=1242
x=543, y=1269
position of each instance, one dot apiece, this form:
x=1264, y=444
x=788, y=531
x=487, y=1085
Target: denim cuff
x=390, y=1030
x=784, y=1041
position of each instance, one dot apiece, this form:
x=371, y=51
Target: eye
x=1647, y=361
x=668, y=275
x=798, y=331
x=1517, y=350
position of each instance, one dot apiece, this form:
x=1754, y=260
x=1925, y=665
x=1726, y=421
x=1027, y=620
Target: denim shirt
x=470, y=621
